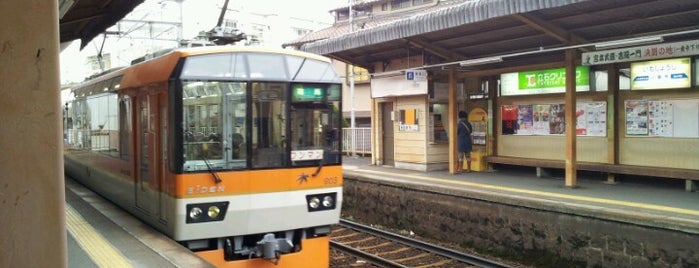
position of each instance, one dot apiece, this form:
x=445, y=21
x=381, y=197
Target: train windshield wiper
x=320, y=165
x=217, y=179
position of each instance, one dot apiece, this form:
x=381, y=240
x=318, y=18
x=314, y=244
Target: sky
x=197, y=15
x=308, y=9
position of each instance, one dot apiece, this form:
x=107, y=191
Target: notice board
x=674, y=118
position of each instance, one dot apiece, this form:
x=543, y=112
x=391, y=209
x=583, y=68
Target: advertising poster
x=525, y=119
x=636, y=117
x=549, y=119
x=660, y=121
x=509, y=119
x=580, y=120
x=591, y=119
x=541, y=119
x=557, y=120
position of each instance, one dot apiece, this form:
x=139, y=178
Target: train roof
x=158, y=66
x=241, y=49
x=193, y=51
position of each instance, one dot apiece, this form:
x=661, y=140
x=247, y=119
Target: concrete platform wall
x=541, y=237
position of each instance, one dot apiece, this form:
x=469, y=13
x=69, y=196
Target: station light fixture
x=388, y=74
x=480, y=61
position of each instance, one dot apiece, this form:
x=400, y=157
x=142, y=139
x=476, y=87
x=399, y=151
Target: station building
x=598, y=85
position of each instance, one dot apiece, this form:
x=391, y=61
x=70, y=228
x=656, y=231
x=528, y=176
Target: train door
x=146, y=167
x=163, y=129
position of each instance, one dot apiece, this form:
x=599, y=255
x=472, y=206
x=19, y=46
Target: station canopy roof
x=452, y=31
x=85, y=19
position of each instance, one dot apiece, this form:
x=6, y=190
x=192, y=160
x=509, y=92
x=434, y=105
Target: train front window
x=315, y=124
x=214, y=125
x=257, y=111
x=269, y=139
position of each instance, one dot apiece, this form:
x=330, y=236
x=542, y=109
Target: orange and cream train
x=234, y=152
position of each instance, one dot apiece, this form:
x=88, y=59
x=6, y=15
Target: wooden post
x=612, y=126
x=493, y=128
x=453, y=110
x=570, y=109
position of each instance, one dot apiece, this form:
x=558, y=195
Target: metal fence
x=363, y=140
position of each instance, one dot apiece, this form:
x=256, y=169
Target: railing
x=362, y=138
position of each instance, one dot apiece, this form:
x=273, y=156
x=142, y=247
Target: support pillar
x=612, y=115
x=571, y=118
x=452, y=120
x=32, y=198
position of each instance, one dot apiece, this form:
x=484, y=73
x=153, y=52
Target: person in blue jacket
x=464, y=135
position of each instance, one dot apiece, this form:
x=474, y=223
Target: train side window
x=100, y=126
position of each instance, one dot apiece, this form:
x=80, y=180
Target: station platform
x=660, y=203
x=100, y=234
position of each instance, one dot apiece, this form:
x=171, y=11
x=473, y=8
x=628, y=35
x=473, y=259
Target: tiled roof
x=368, y=22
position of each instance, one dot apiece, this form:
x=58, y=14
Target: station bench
x=689, y=175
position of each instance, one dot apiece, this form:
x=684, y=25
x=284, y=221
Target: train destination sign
x=302, y=92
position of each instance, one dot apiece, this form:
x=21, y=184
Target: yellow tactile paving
x=94, y=244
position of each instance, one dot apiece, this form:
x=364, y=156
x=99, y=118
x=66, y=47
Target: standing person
x=464, y=134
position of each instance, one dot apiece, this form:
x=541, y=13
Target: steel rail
x=439, y=250
x=374, y=259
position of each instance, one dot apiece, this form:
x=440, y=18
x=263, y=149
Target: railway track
x=356, y=245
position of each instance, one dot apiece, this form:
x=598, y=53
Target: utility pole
x=351, y=81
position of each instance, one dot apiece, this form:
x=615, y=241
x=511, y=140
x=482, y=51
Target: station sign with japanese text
x=404, y=83
x=543, y=81
x=642, y=53
x=661, y=74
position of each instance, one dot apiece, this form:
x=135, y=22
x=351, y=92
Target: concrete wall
x=541, y=237
x=32, y=225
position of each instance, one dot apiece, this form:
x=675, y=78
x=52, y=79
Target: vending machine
x=478, y=118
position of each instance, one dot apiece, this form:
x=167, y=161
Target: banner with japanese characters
x=641, y=53
x=543, y=81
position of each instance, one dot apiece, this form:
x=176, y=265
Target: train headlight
x=319, y=202
x=213, y=212
x=206, y=212
x=328, y=201
x=314, y=203
x=195, y=213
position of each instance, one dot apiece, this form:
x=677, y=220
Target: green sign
x=315, y=92
x=553, y=79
